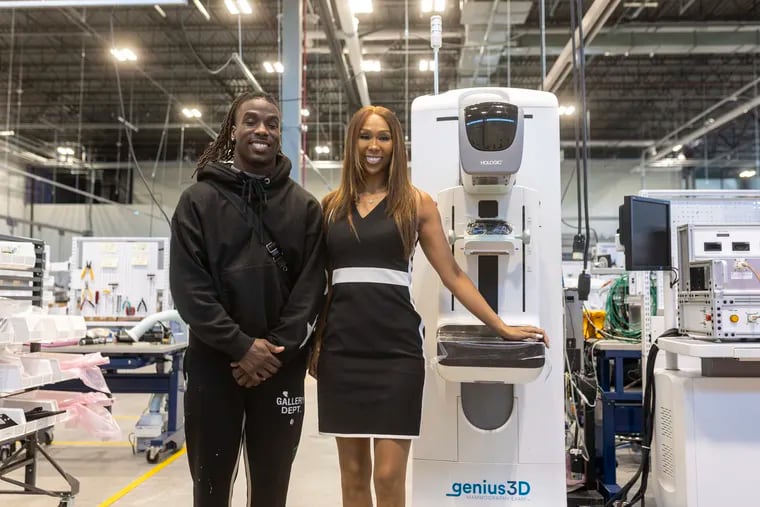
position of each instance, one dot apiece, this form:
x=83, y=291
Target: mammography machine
x=492, y=428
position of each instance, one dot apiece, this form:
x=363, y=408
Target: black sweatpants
x=222, y=418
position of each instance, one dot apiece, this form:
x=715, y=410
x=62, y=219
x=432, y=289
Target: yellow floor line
x=79, y=443
x=144, y=477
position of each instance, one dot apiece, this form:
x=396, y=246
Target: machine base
x=444, y=483
x=707, y=445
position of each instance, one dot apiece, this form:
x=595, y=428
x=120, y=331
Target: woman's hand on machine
x=523, y=333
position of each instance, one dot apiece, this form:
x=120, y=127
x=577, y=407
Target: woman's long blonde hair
x=401, y=199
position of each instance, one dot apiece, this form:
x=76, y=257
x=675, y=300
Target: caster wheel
x=45, y=437
x=151, y=455
x=5, y=453
x=66, y=502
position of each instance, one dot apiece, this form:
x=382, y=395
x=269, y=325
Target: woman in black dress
x=371, y=367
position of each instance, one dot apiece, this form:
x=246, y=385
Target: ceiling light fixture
x=202, y=9
x=6, y=133
x=232, y=7
x=124, y=54
x=13, y=4
x=747, y=173
x=426, y=65
x=305, y=113
x=244, y=7
x=191, y=113
x=568, y=110
x=433, y=5
x=371, y=66
x=237, y=7
x=361, y=6
x=160, y=10
x=278, y=67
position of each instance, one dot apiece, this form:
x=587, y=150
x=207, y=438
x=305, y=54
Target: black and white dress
x=371, y=368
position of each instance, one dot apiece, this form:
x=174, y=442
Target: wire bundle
x=617, y=320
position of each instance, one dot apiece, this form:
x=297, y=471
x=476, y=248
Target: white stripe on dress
x=371, y=275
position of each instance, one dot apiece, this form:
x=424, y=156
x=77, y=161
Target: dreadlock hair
x=402, y=196
x=223, y=146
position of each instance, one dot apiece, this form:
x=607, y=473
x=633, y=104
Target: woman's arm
x=438, y=252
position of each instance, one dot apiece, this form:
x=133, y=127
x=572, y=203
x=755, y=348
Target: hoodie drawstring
x=254, y=193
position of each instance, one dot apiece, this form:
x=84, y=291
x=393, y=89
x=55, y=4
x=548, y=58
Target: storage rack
x=26, y=285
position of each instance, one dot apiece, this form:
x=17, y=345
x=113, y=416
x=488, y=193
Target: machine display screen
x=645, y=234
x=491, y=126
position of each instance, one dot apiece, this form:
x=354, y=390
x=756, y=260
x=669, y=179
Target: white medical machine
x=492, y=428
x=706, y=415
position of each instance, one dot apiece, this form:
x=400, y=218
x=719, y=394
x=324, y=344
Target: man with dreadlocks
x=247, y=274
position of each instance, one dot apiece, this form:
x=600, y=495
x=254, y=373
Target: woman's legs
x=355, y=471
x=391, y=457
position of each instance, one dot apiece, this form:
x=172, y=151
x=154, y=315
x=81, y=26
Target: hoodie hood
x=222, y=172
x=255, y=191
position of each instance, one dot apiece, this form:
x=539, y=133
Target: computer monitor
x=645, y=233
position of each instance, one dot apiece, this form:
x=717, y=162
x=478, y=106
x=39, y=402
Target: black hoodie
x=224, y=283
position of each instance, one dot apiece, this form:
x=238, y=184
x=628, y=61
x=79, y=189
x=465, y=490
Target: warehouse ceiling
x=654, y=69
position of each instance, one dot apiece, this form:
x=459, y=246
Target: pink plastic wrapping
x=87, y=367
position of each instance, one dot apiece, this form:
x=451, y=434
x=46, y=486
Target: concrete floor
x=104, y=469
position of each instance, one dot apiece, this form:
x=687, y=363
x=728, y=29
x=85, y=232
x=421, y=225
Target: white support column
x=290, y=100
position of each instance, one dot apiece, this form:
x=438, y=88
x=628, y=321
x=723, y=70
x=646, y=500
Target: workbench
x=621, y=407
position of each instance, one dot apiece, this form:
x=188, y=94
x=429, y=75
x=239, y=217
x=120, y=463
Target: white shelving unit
x=21, y=279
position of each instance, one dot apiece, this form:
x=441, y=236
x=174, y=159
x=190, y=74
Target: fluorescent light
x=747, y=173
x=433, y=5
x=371, y=66
x=13, y=4
x=191, y=113
x=677, y=147
x=278, y=67
x=305, y=113
x=64, y=150
x=568, y=110
x=322, y=150
x=6, y=133
x=681, y=156
x=268, y=67
x=232, y=7
x=124, y=54
x=640, y=4
x=244, y=7
x=361, y=6
x=202, y=9
x=426, y=65
x=160, y=10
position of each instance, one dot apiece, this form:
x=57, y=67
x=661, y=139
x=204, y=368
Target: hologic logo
x=490, y=490
x=491, y=162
